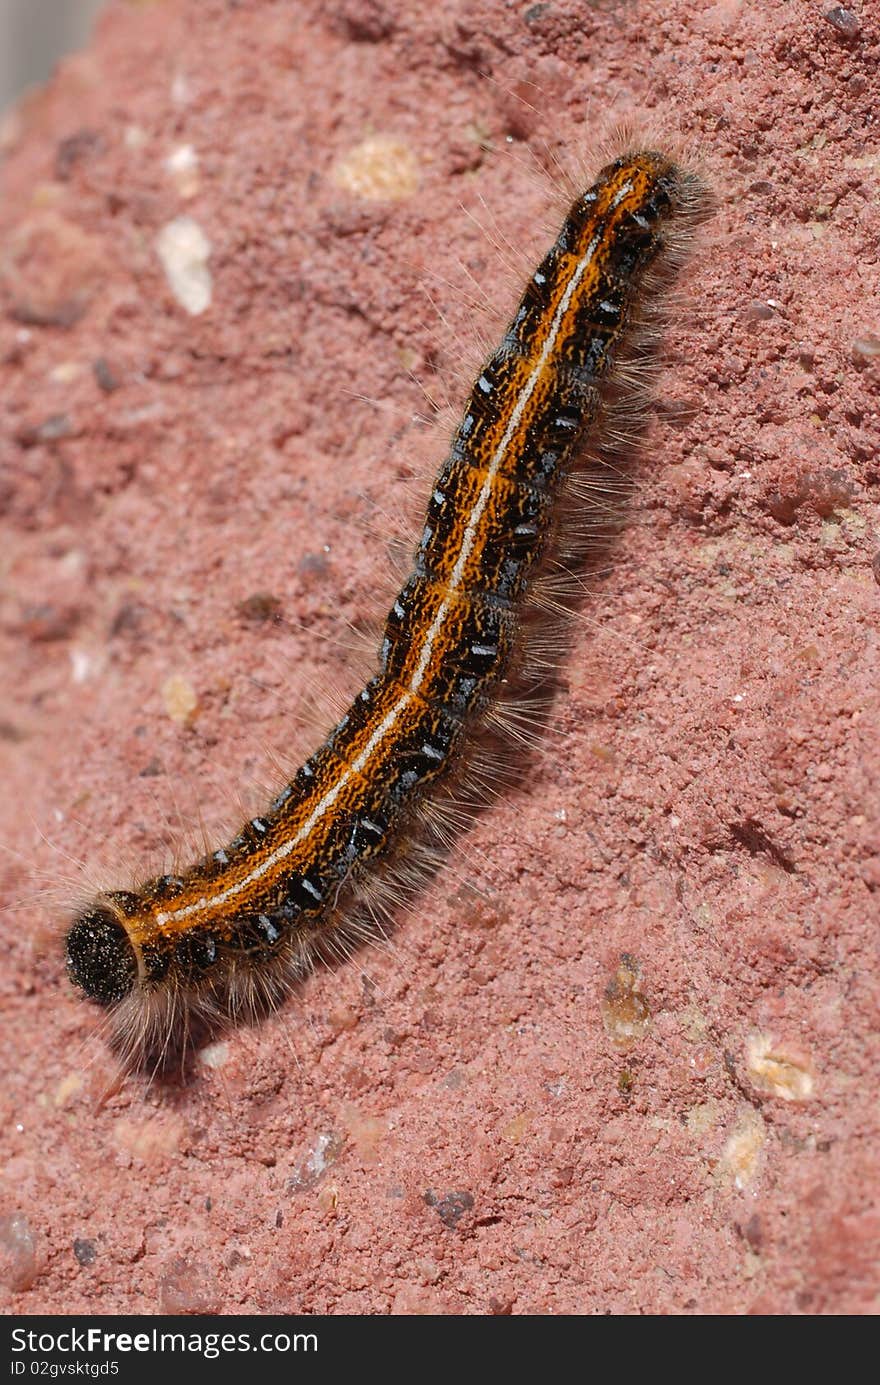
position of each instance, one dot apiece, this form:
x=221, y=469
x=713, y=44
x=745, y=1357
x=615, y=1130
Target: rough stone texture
x=636, y=1071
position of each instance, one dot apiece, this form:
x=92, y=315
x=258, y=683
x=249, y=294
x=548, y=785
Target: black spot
x=196, y=952
x=259, y=935
x=304, y=894
x=608, y=312
x=156, y=959
x=369, y=833
x=164, y=888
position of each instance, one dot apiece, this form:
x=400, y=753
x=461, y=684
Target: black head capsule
x=100, y=957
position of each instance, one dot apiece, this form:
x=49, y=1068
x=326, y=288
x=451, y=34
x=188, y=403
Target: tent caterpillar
x=472, y=630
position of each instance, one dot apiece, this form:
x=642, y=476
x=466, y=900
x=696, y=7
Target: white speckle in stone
x=742, y=1150
x=82, y=665
x=180, y=90
x=214, y=1055
x=65, y=372
x=779, y=1069
x=182, y=165
x=184, y=249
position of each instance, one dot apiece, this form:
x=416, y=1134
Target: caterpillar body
x=427, y=737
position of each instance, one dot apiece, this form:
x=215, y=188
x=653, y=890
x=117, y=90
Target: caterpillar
x=468, y=650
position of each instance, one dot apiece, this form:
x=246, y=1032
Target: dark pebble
x=844, y=23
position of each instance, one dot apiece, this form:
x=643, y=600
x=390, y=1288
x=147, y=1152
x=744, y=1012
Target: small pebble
x=742, y=1150
x=626, y=1013
x=18, y=1252
x=75, y=149
x=381, y=169
x=306, y=1174
x=180, y=699
x=844, y=23
x=259, y=608
x=182, y=166
x=183, y=1288
x=184, y=251
x=866, y=348
x=106, y=377
x=451, y=1207
x=214, y=1055
x=51, y=271
x=758, y=310
x=778, y=1070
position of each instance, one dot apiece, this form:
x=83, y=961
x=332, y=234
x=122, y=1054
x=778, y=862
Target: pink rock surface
x=496, y=1114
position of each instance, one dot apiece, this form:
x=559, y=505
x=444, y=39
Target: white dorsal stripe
x=624, y=191
x=389, y=721
x=498, y=457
